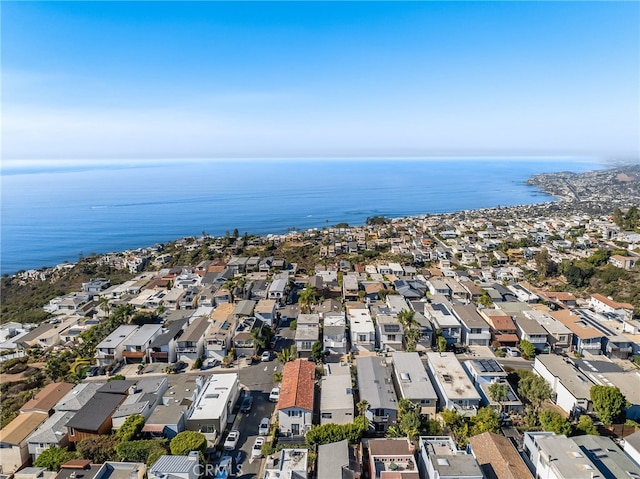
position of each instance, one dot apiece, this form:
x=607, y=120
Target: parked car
x=247, y=402
x=178, y=366
x=256, y=450
x=513, y=352
x=266, y=356
x=274, y=395
x=232, y=440
x=93, y=371
x=263, y=428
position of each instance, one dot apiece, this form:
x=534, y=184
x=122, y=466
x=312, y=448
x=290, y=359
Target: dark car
x=247, y=402
x=179, y=366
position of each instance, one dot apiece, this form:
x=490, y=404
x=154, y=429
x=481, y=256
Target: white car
x=256, y=450
x=263, y=428
x=232, y=440
x=274, y=395
x=266, y=356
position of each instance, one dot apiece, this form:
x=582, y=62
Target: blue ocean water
x=51, y=214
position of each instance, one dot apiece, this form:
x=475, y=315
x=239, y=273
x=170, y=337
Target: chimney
x=193, y=456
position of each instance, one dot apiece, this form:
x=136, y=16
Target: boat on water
x=224, y=469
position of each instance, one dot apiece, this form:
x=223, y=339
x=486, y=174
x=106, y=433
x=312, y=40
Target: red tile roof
x=297, y=388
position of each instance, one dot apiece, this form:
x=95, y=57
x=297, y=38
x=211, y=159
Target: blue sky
x=93, y=80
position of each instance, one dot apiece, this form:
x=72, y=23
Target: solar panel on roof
x=392, y=328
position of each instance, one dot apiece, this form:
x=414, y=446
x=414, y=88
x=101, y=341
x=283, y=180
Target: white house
x=297, y=394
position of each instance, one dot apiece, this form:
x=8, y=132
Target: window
x=327, y=415
x=72, y=431
x=210, y=429
x=362, y=337
x=295, y=413
x=391, y=337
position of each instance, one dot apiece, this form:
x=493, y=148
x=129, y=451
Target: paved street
x=257, y=380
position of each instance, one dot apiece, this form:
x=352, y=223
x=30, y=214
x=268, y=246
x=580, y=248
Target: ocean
x=51, y=213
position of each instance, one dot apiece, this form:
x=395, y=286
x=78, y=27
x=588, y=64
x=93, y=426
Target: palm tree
x=363, y=406
x=260, y=338
x=287, y=354
x=104, y=304
x=307, y=297
x=411, y=325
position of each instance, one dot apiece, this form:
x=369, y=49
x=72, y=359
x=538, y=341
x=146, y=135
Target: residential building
x=503, y=329
x=389, y=333
x=79, y=468
x=52, y=432
x=497, y=457
x=265, y=311
x=412, y=382
x=363, y=333
x=136, y=346
x=244, y=309
x=45, y=400
x=14, y=440
x=95, y=417
x=440, y=458
x=334, y=338
x=559, y=337
x=297, y=394
x=243, y=340
x=287, y=464
x=350, y=288
x=122, y=470
x=278, y=289
x=75, y=399
x=170, y=416
x=190, y=345
x=109, y=350
x=142, y=398
x=178, y=467
x=475, y=330
x=163, y=347
x=307, y=333
x=438, y=286
x=570, y=387
x=586, y=338
x=336, y=395
x=454, y=388
x=602, y=304
x=532, y=331
x=213, y=406
x=34, y=473
x=337, y=460
x=439, y=312
x=391, y=458
x=607, y=456
x=557, y=457
x=484, y=373
x=219, y=337
x=631, y=446
x=376, y=386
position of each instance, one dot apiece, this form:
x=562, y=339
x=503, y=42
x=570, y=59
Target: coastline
x=558, y=203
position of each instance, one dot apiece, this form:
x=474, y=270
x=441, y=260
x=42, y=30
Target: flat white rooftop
x=214, y=396
x=450, y=375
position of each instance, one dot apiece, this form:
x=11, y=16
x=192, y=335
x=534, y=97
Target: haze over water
x=51, y=214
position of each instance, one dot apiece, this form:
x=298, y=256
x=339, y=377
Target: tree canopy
x=553, y=422
x=186, y=441
x=609, y=403
x=54, y=457
x=131, y=427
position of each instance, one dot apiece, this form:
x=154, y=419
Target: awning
x=154, y=428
